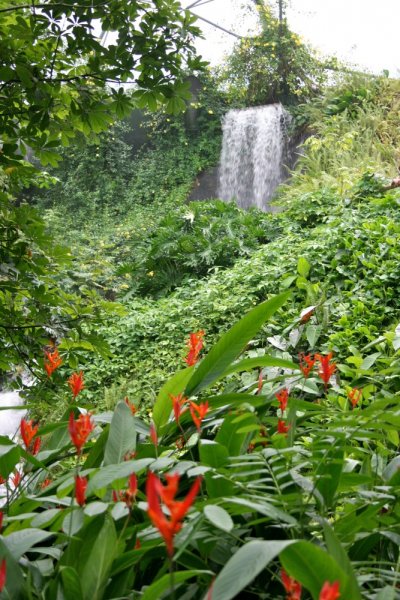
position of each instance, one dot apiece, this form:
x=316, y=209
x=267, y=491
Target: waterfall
x=253, y=153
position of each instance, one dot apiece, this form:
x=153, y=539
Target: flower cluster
x=28, y=432
x=195, y=344
x=52, y=361
x=76, y=384
x=79, y=430
x=292, y=587
x=159, y=495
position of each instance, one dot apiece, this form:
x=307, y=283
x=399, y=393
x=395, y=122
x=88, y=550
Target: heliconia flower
x=52, y=362
x=16, y=479
x=28, y=432
x=115, y=496
x=282, y=397
x=130, y=405
x=156, y=492
x=282, y=427
x=76, y=384
x=45, y=483
x=80, y=430
x=2, y=480
x=354, y=396
x=138, y=545
x=129, y=495
x=36, y=445
x=292, y=587
x=80, y=489
x=306, y=364
x=201, y=410
x=330, y=591
x=3, y=574
x=327, y=368
x=177, y=404
x=153, y=434
x=195, y=344
x=260, y=383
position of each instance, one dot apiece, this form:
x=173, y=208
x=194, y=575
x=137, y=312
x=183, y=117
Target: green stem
x=171, y=578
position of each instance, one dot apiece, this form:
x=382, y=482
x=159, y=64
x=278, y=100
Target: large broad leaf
x=15, y=584
x=106, y=475
x=72, y=589
x=243, y=567
x=163, y=405
x=260, y=361
x=337, y=552
x=159, y=587
x=232, y=343
x=122, y=435
x=313, y=566
x=97, y=566
x=9, y=458
x=219, y=517
x=328, y=474
x=20, y=542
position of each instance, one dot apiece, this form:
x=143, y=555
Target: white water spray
x=253, y=152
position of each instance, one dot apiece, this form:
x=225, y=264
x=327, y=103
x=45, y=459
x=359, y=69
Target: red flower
x=282, y=397
x=292, y=587
x=201, y=410
x=130, y=494
x=153, y=434
x=195, y=344
x=156, y=492
x=16, y=479
x=80, y=489
x=79, y=430
x=177, y=405
x=282, y=427
x=130, y=405
x=36, y=446
x=330, y=591
x=327, y=368
x=138, y=545
x=28, y=432
x=3, y=574
x=260, y=383
x=355, y=396
x=306, y=363
x=76, y=384
x=53, y=362
x=2, y=480
x=45, y=483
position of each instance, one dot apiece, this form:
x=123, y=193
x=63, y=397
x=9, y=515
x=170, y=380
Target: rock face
x=254, y=152
x=206, y=185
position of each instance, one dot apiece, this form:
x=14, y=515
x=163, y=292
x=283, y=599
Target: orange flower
x=130, y=405
x=130, y=494
x=327, y=368
x=76, y=384
x=282, y=397
x=292, y=587
x=355, y=396
x=53, y=361
x=16, y=479
x=28, y=432
x=79, y=430
x=177, y=404
x=138, y=545
x=3, y=574
x=201, y=410
x=156, y=492
x=45, y=483
x=153, y=434
x=195, y=344
x=260, y=383
x=80, y=489
x=36, y=446
x=306, y=363
x=282, y=427
x=330, y=591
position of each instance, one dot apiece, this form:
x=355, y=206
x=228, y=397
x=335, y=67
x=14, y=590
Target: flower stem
x=171, y=578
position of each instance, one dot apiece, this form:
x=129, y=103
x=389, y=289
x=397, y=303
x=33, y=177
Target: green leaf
x=9, y=458
x=243, y=567
x=312, y=566
x=20, y=542
x=122, y=435
x=159, y=587
x=337, y=552
x=106, y=475
x=369, y=361
x=260, y=361
x=72, y=589
x=174, y=386
x=232, y=344
x=303, y=267
x=219, y=517
x=95, y=571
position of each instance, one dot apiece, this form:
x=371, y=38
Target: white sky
x=364, y=33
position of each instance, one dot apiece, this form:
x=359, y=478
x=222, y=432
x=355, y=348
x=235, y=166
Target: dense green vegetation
x=217, y=390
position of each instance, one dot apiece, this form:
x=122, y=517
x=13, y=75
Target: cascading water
x=254, y=147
